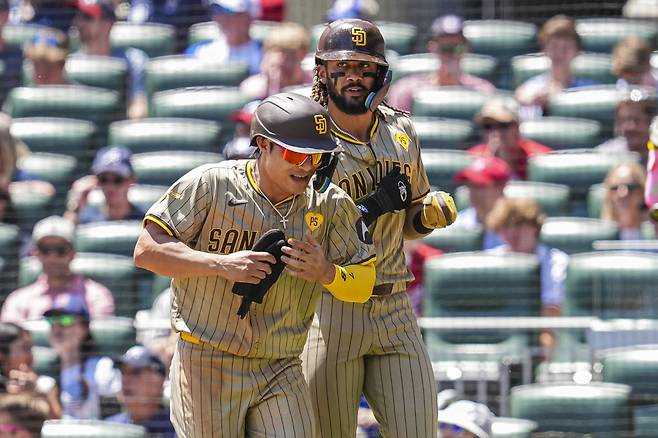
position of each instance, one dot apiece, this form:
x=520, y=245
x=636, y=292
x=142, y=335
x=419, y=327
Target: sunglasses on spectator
x=110, y=179
x=494, y=126
x=452, y=49
x=629, y=187
x=456, y=430
x=63, y=320
x=59, y=250
x=297, y=158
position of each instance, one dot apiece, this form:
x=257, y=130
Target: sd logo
x=320, y=124
x=358, y=36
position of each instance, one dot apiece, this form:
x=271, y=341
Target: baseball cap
x=69, y=304
x=51, y=44
x=140, y=357
x=474, y=417
x=238, y=149
x=54, y=226
x=245, y=113
x=113, y=159
x=447, y=25
x=231, y=7
x=96, y=8
x=500, y=110
x=363, y=9
x=485, y=171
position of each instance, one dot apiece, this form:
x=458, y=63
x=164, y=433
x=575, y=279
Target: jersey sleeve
x=420, y=185
x=349, y=241
x=182, y=210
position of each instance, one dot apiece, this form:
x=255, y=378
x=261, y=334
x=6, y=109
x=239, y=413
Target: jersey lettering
x=230, y=241
x=356, y=184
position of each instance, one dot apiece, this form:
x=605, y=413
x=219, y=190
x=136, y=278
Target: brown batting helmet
x=351, y=40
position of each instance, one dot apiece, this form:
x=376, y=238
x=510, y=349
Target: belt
x=383, y=289
x=190, y=338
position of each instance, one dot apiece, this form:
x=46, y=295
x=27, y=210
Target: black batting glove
x=393, y=194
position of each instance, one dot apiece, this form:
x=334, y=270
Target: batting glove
x=393, y=194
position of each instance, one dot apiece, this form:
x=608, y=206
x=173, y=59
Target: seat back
x=636, y=367
x=90, y=428
x=164, y=168
x=500, y=38
x=563, y=132
x=141, y=195
x=56, y=135
x=155, y=39
x=482, y=66
x=441, y=133
x=99, y=71
x=30, y=205
x=595, y=66
x=601, y=34
x=449, y=102
x=441, y=165
x=114, y=237
x=456, y=239
x=576, y=234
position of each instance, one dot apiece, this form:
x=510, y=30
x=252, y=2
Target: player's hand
x=393, y=194
x=307, y=260
x=247, y=266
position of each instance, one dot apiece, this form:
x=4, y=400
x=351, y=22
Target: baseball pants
x=217, y=394
x=376, y=349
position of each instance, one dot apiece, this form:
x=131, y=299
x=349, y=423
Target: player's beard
x=347, y=106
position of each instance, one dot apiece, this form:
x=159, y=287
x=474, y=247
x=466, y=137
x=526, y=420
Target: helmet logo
x=358, y=36
x=320, y=124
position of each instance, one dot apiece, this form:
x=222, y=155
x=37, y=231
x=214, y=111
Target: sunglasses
x=297, y=158
x=454, y=429
x=63, y=320
x=629, y=187
x=59, y=250
x=494, y=126
x=452, y=49
x=110, y=179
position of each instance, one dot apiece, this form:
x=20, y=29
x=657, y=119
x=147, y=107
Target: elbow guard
x=353, y=283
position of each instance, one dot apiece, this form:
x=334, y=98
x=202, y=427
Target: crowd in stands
x=131, y=387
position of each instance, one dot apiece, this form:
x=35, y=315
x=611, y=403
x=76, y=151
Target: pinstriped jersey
x=218, y=208
x=393, y=140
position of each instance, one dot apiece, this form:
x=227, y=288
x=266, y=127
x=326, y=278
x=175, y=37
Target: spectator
x=113, y=173
x=623, y=202
x=363, y=9
x=142, y=378
x=449, y=44
x=499, y=122
x=22, y=415
x=7, y=211
x=651, y=186
x=57, y=14
x=561, y=43
x=485, y=179
x=11, y=57
x=53, y=239
x=465, y=419
x=633, y=116
x=519, y=222
x=284, y=49
x=47, y=52
x=94, y=21
x=240, y=146
x=234, y=18
x=631, y=64
x=416, y=253
x=85, y=376
x=16, y=368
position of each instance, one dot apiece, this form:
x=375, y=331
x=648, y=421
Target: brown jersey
x=218, y=208
x=362, y=165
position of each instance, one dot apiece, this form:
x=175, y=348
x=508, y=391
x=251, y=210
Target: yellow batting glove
x=438, y=211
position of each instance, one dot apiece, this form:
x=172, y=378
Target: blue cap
x=140, y=357
x=113, y=159
x=69, y=304
x=231, y=7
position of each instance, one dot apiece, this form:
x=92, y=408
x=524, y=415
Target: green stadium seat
x=30, y=205
x=576, y=234
x=563, y=132
x=178, y=71
x=599, y=408
x=165, y=168
x=208, y=30
x=595, y=196
x=455, y=239
x=90, y=428
x=57, y=169
x=645, y=421
x=399, y=37
x=601, y=34
x=96, y=105
x=500, y=38
x=153, y=38
x=56, y=135
x=10, y=241
x=114, y=237
x=451, y=102
x=98, y=71
x=141, y=195
x=636, y=367
x=440, y=133
x=16, y=35
x=160, y=283
x=648, y=231
x=131, y=287
x=483, y=66
x=594, y=66
x=612, y=284
x=503, y=427
x=46, y=360
x=596, y=102
x=441, y=166
x=160, y=134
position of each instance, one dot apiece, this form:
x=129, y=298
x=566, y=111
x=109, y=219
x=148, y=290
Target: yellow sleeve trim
x=651, y=146
x=157, y=221
x=353, y=283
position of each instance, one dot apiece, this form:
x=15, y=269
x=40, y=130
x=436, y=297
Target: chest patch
x=313, y=220
x=403, y=140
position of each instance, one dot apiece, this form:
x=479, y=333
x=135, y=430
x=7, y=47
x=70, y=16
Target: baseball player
x=374, y=348
x=236, y=370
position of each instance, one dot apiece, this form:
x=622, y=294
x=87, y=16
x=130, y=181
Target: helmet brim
x=313, y=147
x=348, y=55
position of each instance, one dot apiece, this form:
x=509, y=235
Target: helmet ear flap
x=380, y=89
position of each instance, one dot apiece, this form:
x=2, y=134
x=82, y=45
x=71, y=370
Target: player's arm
x=157, y=250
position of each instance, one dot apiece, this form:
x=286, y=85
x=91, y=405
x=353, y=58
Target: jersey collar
x=252, y=182
x=350, y=139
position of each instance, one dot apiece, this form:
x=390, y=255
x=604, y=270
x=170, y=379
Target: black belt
x=385, y=289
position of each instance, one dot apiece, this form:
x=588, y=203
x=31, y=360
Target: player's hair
x=638, y=175
x=559, y=26
x=514, y=211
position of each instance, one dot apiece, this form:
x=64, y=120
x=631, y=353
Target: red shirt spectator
x=417, y=253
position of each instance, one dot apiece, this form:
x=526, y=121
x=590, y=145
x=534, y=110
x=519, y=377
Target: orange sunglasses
x=297, y=158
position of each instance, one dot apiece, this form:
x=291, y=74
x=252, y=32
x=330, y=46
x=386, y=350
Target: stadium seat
x=601, y=34
x=455, y=239
x=612, y=284
x=595, y=102
x=595, y=66
x=648, y=231
x=483, y=66
x=563, y=132
x=599, y=408
x=441, y=166
x=636, y=367
x=503, y=427
x=451, y=102
x=166, y=167
x=90, y=428
x=645, y=421
x=500, y=38
x=399, y=37
x=17, y=34
x=209, y=30
x=595, y=196
x=57, y=169
x=114, y=237
x=153, y=38
x=142, y=195
x=160, y=283
x=56, y=135
x=10, y=242
x=440, y=133
x=576, y=234
x=98, y=71
x=30, y=205
x=46, y=360
x=178, y=71
x=161, y=134
x=552, y=198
